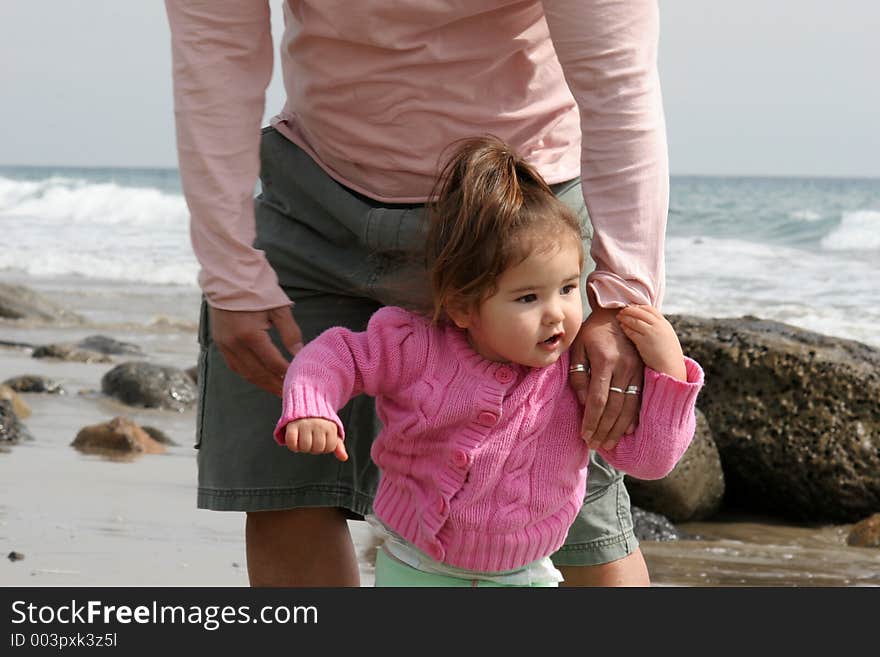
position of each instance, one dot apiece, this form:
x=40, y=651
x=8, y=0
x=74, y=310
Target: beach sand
x=82, y=520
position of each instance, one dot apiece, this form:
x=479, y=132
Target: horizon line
x=794, y=176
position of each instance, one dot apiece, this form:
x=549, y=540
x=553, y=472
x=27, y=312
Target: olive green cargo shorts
x=341, y=256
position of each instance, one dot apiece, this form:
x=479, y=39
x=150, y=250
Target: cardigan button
x=460, y=458
x=487, y=419
x=504, y=375
x=441, y=506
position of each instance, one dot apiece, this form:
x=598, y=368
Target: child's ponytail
x=488, y=202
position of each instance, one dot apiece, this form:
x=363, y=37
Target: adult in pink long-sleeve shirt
x=375, y=92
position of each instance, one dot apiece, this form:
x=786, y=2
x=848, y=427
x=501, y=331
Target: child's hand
x=313, y=435
x=655, y=339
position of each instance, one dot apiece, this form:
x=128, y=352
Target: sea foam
x=66, y=226
x=821, y=291
x=74, y=200
x=858, y=231
x=805, y=215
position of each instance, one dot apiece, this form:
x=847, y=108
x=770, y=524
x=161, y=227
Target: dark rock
x=794, y=415
x=865, y=533
x=70, y=352
x=150, y=386
x=16, y=345
x=649, y=526
x=15, y=556
x=120, y=434
x=20, y=302
x=11, y=429
x=109, y=346
x=19, y=407
x=34, y=383
x=695, y=487
x=158, y=435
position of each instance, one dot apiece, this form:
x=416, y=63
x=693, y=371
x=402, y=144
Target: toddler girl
x=483, y=466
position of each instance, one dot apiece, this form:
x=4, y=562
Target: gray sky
x=779, y=87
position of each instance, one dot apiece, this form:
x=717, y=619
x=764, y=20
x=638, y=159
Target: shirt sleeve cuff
x=607, y=290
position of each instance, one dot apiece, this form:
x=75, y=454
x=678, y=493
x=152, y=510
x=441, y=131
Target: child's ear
x=460, y=314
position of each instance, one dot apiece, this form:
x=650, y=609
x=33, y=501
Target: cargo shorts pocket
x=395, y=240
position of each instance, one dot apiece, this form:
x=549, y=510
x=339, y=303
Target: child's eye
x=527, y=298
x=566, y=289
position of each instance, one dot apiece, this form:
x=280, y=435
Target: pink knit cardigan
x=482, y=462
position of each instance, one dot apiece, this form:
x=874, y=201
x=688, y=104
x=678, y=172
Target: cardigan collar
x=472, y=360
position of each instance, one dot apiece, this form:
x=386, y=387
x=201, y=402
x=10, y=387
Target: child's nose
x=553, y=313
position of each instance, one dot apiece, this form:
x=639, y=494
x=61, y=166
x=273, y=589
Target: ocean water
x=800, y=250
x=804, y=251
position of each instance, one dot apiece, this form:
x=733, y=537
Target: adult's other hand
x=611, y=361
x=243, y=339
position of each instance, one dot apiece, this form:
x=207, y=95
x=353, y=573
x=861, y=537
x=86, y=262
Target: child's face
x=535, y=313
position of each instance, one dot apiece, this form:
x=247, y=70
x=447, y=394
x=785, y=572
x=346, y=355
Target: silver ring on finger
x=631, y=390
x=615, y=389
x=577, y=367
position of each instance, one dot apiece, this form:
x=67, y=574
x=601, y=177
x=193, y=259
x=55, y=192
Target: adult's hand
x=611, y=361
x=243, y=339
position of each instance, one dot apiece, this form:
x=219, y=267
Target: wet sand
x=87, y=521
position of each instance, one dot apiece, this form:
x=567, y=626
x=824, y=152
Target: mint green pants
x=391, y=572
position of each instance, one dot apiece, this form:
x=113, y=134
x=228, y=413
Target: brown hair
x=491, y=210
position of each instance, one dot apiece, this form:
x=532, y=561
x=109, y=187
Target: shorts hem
x=356, y=503
x=600, y=551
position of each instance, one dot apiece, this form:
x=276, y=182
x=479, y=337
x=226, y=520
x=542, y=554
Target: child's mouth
x=553, y=340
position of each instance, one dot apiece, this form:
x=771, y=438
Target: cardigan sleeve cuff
x=305, y=402
x=672, y=401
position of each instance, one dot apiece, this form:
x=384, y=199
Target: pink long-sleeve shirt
x=377, y=89
x=482, y=462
